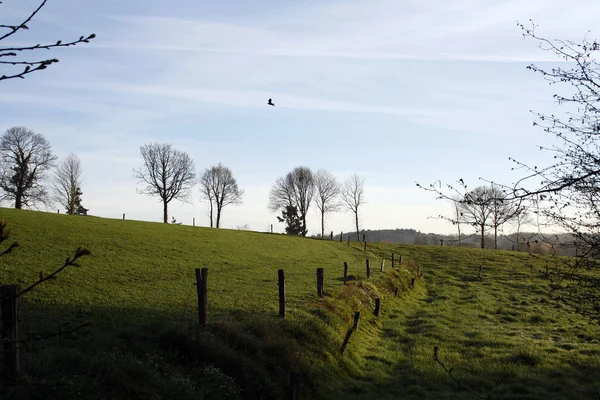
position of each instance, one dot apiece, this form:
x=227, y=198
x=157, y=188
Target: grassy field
x=500, y=334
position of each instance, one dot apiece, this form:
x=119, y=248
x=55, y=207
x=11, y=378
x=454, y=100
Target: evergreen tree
x=293, y=222
x=79, y=209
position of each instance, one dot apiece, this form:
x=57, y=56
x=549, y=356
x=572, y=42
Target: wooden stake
x=400, y=260
x=396, y=291
x=320, y=284
x=368, y=268
x=365, y=246
x=346, y=340
x=377, y=306
x=295, y=385
x=345, y=272
x=393, y=261
x=10, y=332
x=356, y=320
x=201, y=279
x=382, y=263
x=282, y=301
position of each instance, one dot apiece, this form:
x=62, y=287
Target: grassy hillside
x=499, y=334
x=137, y=289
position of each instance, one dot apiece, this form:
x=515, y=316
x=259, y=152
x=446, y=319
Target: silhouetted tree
x=296, y=189
x=327, y=195
x=353, y=192
x=503, y=209
x=168, y=173
x=293, y=222
x=220, y=188
x=11, y=56
x=25, y=156
x=79, y=208
x=67, y=182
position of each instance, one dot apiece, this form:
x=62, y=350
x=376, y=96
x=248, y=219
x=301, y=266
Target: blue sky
x=396, y=91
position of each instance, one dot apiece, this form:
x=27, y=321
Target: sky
x=397, y=92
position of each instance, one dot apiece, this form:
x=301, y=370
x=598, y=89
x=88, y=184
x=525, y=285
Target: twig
x=50, y=335
x=80, y=252
x=449, y=372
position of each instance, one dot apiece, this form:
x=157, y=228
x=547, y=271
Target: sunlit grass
x=501, y=334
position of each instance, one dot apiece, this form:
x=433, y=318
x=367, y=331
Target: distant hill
x=561, y=244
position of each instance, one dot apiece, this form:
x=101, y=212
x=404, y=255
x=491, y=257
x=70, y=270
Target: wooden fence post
x=193, y=221
x=356, y=320
x=201, y=277
x=320, y=285
x=295, y=385
x=346, y=340
x=396, y=291
x=123, y=215
x=382, y=263
x=377, y=306
x=412, y=283
x=271, y=228
x=10, y=332
x=345, y=272
x=400, y=260
x=368, y=268
x=393, y=261
x=419, y=274
x=341, y=234
x=365, y=246
x=281, y=279
x=348, y=239
x=441, y=242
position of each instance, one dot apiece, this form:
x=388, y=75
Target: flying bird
x=270, y=102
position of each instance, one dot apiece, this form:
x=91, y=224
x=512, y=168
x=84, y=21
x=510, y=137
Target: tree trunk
x=218, y=216
x=322, y=224
x=495, y=237
x=165, y=212
x=304, y=232
x=482, y=236
x=357, y=231
x=458, y=225
x=211, y=213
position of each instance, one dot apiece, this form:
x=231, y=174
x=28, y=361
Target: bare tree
x=67, y=182
x=168, y=173
x=327, y=193
x=503, y=209
x=476, y=209
x=25, y=157
x=220, y=188
x=522, y=217
x=353, y=192
x=10, y=54
x=296, y=189
x=458, y=219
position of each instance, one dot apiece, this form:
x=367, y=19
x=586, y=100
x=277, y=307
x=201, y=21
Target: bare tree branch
x=14, y=51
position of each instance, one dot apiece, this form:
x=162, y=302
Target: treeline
x=559, y=244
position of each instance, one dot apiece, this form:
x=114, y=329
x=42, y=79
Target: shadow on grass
x=150, y=354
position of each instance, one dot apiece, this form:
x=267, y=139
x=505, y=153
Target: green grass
x=500, y=334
